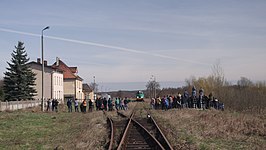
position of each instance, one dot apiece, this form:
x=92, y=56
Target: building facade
x=53, y=79
x=71, y=81
x=87, y=92
x=58, y=85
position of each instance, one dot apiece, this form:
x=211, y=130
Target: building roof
x=74, y=69
x=39, y=67
x=67, y=71
x=86, y=87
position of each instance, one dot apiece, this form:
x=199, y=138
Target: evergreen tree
x=19, y=78
x=1, y=90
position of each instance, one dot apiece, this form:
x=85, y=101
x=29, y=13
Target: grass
x=36, y=130
x=185, y=129
x=211, y=129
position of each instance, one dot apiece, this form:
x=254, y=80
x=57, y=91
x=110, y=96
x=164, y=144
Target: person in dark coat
x=90, y=105
x=53, y=104
x=69, y=105
x=84, y=105
x=105, y=104
x=48, y=105
x=110, y=104
x=81, y=107
x=56, y=105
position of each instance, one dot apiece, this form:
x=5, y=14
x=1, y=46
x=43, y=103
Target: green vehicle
x=140, y=96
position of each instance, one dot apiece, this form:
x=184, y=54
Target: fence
x=15, y=105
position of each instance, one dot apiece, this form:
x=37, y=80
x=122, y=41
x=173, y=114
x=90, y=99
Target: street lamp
x=94, y=95
x=155, y=84
x=43, y=68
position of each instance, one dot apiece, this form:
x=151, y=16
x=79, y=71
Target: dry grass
x=185, y=129
x=211, y=129
x=32, y=129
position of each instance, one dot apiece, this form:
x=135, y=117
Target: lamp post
x=94, y=95
x=155, y=87
x=153, y=80
x=43, y=68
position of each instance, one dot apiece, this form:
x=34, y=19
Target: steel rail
x=112, y=134
x=111, y=131
x=150, y=135
x=124, y=135
x=165, y=143
x=122, y=144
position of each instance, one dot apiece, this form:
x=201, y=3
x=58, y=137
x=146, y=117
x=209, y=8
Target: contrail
x=105, y=46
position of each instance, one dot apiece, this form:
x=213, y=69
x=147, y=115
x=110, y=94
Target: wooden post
x=6, y=105
x=17, y=105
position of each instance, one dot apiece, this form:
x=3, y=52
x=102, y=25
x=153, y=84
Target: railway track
x=136, y=133
x=117, y=126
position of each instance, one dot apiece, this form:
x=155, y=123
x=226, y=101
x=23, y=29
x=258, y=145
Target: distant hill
x=123, y=94
x=135, y=86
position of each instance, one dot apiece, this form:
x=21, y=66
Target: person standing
x=158, y=103
x=53, y=104
x=105, y=104
x=152, y=103
x=76, y=104
x=166, y=104
x=110, y=104
x=84, y=105
x=200, y=101
x=48, y=105
x=56, y=105
x=116, y=103
x=125, y=103
x=90, y=105
x=69, y=105
x=194, y=96
x=121, y=104
x=185, y=99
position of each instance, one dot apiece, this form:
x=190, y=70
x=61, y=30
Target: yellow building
x=72, y=82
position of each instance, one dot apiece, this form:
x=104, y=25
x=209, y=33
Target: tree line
x=244, y=95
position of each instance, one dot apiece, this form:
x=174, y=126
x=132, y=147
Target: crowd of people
x=100, y=103
x=52, y=105
x=199, y=101
x=185, y=100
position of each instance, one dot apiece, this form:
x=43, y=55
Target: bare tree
x=152, y=88
x=244, y=82
x=94, y=87
x=218, y=74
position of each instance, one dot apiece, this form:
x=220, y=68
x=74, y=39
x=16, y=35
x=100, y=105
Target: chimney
x=45, y=62
x=39, y=60
x=57, y=61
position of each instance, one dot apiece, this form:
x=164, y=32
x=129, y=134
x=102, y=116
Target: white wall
x=57, y=86
x=38, y=82
x=79, y=93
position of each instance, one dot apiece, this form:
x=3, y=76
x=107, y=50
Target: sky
x=125, y=41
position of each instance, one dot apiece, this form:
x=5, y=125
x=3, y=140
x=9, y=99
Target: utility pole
x=94, y=94
x=154, y=87
x=43, y=68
